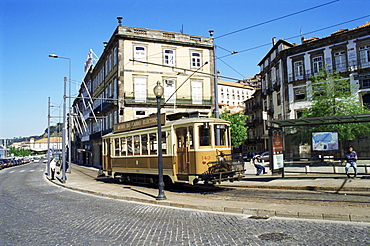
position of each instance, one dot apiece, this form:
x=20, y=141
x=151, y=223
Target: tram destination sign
x=139, y=123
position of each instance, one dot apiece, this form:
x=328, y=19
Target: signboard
x=324, y=141
x=139, y=123
x=277, y=149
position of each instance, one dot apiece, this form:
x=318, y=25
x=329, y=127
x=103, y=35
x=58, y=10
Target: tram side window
x=204, y=135
x=129, y=146
x=164, y=143
x=153, y=143
x=191, y=132
x=123, y=147
x=137, y=144
x=144, y=144
x=116, y=147
x=223, y=134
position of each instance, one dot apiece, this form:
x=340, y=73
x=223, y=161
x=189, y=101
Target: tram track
x=278, y=196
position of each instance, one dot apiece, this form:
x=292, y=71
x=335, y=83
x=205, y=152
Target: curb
x=254, y=213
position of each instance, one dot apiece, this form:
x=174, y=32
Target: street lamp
x=69, y=128
x=158, y=92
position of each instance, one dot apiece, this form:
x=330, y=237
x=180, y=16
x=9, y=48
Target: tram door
x=106, y=155
x=182, y=150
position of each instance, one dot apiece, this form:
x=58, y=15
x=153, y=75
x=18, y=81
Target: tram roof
x=178, y=122
x=342, y=119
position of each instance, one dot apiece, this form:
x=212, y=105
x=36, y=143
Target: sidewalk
x=84, y=179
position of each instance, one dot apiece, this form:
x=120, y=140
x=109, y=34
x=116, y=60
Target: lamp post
x=64, y=178
x=69, y=128
x=158, y=92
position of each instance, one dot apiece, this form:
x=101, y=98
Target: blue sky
x=33, y=29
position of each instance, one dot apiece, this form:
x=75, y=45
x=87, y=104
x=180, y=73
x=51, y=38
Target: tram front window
x=222, y=129
x=204, y=135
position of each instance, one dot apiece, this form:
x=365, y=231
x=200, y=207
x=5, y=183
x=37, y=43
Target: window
x=123, y=147
x=191, y=143
x=222, y=129
x=365, y=83
x=278, y=99
x=317, y=64
x=298, y=69
x=169, y=89
x=110, y=62
x=144, y=144
x=197, y=92
x=129, y=146
x=169, y=57
x=140, y=89
x=340, y=61
x=196, y=59
x=365, y=56
x=140, y=53
x=153, y=143
x=116, y=147
x=115, y=54
x=137, y=145
x=204, y=135
x=299, y=94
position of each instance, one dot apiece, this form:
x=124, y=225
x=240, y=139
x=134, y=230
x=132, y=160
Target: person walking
x=53, y=165
x=351, y=157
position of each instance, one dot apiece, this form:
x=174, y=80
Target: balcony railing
x=339, y=67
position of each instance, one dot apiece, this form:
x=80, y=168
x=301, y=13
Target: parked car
x=265, y=157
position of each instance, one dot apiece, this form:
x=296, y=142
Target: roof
x=235, y=84
x=52, y=140
x=342, y=119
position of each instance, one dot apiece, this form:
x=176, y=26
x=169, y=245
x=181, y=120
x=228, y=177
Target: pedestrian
x=53, y=165
x=351, y=157
x=260, y=168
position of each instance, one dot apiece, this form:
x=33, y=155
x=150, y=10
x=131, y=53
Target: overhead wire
x=267, y=44
x=279, y=18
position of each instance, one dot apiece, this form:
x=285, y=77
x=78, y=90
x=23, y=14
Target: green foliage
x=19, y=152
x=238, y=128
x=332, y=95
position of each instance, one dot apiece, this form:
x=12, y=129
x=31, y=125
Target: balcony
x=352, y=66
x=104, y=105
x=152, y=102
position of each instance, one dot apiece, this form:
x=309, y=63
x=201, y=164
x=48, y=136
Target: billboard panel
x=324, y=141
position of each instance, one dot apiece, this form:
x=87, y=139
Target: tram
x=190, y=150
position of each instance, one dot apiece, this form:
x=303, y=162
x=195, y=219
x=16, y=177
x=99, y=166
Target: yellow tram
x=189, y=150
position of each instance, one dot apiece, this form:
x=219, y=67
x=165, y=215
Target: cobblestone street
x=35, y=212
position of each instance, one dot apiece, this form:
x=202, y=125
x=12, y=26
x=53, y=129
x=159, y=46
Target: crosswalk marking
x=22, y=171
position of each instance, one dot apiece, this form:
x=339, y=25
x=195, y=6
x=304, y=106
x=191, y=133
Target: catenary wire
x=321, y=29
x=279, y=18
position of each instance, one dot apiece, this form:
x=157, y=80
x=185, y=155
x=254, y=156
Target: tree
x=19, y=152
x=238, y=128
x=332, y=95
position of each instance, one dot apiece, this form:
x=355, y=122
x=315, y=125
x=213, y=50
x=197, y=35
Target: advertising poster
x=277, y=149
x=324, y=141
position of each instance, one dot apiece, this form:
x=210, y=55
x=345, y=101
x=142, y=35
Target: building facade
x=232, y=95
x=287, y=68
x=119, y=87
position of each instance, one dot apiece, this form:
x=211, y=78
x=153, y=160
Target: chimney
x=302, y=39
x=119, y=18
x=273, y=41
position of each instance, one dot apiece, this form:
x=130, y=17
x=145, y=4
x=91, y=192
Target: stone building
x=119, y=86
x=287, y=68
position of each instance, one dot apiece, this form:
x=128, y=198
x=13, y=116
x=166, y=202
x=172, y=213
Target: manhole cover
x=274, y=236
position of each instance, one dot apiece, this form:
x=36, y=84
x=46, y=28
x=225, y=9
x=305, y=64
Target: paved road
x=36, y=212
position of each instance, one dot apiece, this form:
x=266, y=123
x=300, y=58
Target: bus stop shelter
x=279, y=144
